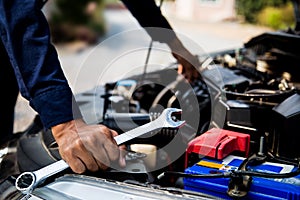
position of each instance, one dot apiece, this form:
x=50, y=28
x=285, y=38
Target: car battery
x=260, y=188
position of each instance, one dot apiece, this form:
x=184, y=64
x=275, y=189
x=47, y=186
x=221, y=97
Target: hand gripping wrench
x=27, y=181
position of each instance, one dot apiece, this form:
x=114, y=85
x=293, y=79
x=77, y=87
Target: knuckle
x=104, y=166
x=90, y=139
x=114, y=155
x=114, y=133
x=78, y=170
x=105, y=130
x=77, y=144
x=93, y=167
x=77, y=167
x=66, y=151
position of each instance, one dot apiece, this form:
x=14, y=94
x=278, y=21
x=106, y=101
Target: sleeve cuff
x=55, y=106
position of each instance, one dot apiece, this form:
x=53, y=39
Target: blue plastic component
x=261, y=188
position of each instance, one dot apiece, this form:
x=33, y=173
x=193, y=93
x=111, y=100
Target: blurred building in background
x=202, y=10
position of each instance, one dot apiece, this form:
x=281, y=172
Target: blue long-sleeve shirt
x=26, y=38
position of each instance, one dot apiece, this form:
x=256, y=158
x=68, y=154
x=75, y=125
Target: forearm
x=178, y=49
x=149, y=16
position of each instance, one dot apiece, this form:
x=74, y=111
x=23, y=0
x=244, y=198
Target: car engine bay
x=240, y=140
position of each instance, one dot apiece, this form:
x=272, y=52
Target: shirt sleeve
x=149, y=16
x=26, y=38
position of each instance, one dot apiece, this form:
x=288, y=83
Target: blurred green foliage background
x=77, y=20
x=276, y=14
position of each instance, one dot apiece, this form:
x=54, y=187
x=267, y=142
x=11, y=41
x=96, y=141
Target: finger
x=111, y=146
x=114, y=133
x=112, y=150
x=76, y=165
x=84, y=156
x=122, y=161
x=192, y=76
x=101, y=165
x=89, y=161
x=73, y=161
x=101, y=157
x=91, y=152
x=109, y=133
x=98, y=150
x=180, y=69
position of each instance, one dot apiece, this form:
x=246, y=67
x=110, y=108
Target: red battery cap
x=219, y=143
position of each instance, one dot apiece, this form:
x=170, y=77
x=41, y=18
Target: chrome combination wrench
x=27, y=181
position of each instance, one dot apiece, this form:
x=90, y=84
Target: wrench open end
x=170, y=116
x=167, y=119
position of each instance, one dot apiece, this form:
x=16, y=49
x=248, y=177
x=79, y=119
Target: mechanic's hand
x=188, y=62
x=87, y=147
x=187, y=67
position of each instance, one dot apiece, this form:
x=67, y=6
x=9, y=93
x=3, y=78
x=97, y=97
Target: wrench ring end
x=25, y=182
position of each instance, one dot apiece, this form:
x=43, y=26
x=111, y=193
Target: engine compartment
x=252, y=92
x=248, y=90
